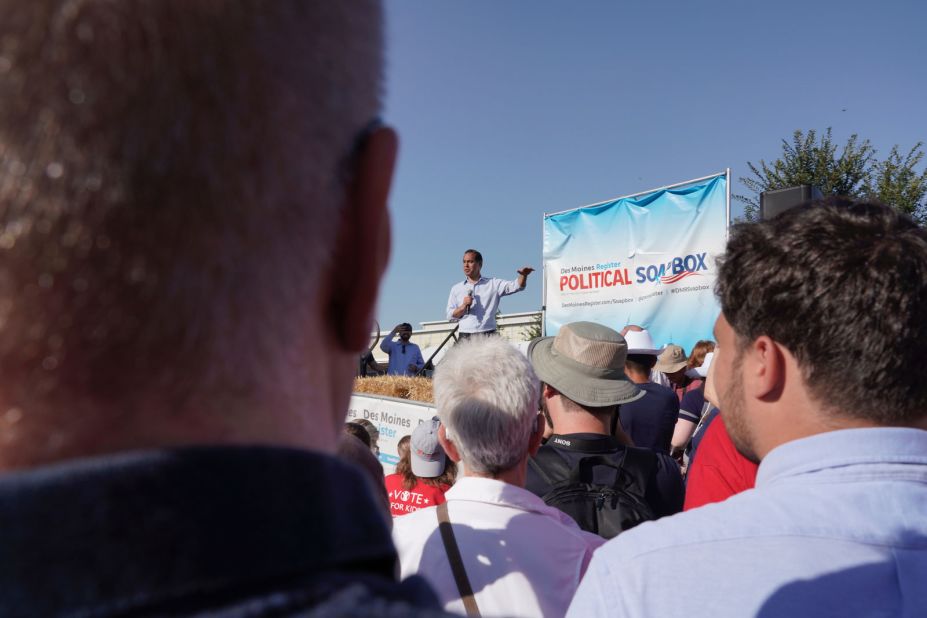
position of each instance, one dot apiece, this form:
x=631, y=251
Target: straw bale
x=401, y=387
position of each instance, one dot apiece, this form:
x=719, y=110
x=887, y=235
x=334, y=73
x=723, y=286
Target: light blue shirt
x=400, y=360
x=486, y=296
x=836, y=526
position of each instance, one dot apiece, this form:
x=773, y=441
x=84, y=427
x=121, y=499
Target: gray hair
x=486, y=394
x=170, y=176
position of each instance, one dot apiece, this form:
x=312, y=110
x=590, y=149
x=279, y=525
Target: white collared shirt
x=523, y=558
x=486, y=295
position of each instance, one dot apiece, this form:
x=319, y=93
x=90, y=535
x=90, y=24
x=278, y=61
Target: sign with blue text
x=647, y=259
x=393, y=418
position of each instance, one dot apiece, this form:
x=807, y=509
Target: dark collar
x=134, y=528
x=584, y=443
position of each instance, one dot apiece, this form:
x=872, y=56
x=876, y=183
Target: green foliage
x=534, y=330
x=853, y=171
x=896, y=182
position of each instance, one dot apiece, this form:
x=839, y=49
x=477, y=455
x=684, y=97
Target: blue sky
x=510, y=109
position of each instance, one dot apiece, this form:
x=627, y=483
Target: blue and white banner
x=647, y=259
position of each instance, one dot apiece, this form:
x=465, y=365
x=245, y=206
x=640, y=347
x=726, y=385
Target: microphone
x=470, y=294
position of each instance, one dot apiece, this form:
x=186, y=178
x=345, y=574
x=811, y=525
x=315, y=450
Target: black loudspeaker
x=774, y=202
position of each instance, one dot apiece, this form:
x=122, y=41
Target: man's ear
x=362, y=248
x=534, y=442
x=764, y=369
x=449, y=447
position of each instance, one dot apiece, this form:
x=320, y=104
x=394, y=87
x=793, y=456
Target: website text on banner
x=647, y=259
x=394, y=418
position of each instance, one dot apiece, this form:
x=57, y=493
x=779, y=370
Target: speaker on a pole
x=774, y=202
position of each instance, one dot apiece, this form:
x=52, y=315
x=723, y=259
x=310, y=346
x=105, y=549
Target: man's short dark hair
x=843, y=286
x=641, y=363
x=358, y=432
x=476, y=255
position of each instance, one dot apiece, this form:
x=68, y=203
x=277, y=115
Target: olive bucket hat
x=585, y=362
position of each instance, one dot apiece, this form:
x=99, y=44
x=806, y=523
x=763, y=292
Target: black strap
x=457, y=566
x=636, y=464
x=639, y=465
x=550, y=466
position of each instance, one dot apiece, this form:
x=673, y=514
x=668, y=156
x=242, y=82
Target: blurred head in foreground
x=184, y=187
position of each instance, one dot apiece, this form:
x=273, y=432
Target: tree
x=533, y=331
x=855, y=172
x=898, y=184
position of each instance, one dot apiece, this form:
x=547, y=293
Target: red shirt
x=682, y=390
x=403, y=501
x=718, y=470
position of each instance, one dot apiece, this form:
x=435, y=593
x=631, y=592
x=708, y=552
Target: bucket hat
x=672, y=359
x=585, y=362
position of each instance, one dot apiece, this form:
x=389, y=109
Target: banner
x=648, y=259
x=394, y=419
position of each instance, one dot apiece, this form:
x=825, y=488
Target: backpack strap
x=550, y=466
x=639, y=465
x=457, y=566
x=636, y=464
x=582, y=472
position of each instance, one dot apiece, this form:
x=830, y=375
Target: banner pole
x=544, y=285
x=727, y=227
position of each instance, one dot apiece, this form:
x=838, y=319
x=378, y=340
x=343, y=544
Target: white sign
x=394, y=418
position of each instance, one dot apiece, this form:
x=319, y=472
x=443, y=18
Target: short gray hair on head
x=486, y=393
x=170, y=172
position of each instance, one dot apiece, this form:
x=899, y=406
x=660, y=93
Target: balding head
x=174, y=176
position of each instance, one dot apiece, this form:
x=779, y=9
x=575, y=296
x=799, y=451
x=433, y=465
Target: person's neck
x=515, y=475
x=302, y=414
x=637, y=378
x=580, y=423
x=473, y=279
x=684, y=383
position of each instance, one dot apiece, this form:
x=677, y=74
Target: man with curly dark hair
x=821, y=343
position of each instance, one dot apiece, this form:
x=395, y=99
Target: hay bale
x=400, y=387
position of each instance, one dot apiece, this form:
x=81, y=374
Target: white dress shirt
x=523, y=558
x=486, y=296
x=836, y=526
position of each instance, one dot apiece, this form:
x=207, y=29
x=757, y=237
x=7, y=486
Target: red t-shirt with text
x=403, y=501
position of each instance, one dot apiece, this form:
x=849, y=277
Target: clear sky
x=508, y=109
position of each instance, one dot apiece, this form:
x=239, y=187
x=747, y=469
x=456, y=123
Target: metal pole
x=727, y=229
x=544, y=287
x=421, y=371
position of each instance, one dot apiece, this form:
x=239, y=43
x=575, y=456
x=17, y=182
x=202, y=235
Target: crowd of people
x=193, y=231
x=572, y=442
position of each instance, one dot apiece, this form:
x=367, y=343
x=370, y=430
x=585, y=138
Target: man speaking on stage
x=474, y=301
